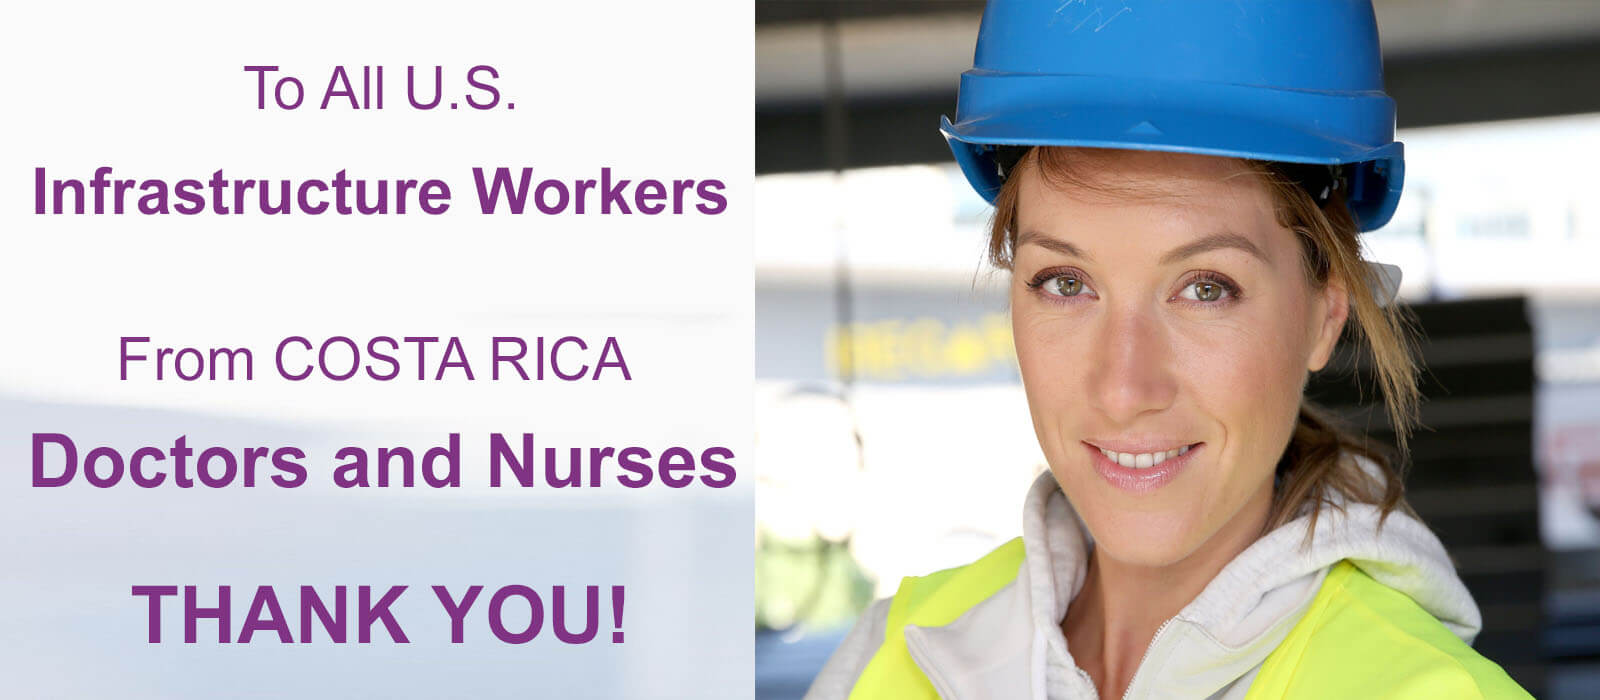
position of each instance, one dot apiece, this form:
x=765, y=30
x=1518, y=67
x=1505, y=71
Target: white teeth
x=1144, y=460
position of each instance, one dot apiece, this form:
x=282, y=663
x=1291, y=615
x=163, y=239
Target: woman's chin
x=1145, y=546
x=1152, y=537
x=1158, y=530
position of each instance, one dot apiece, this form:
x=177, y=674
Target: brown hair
x=1315, y=469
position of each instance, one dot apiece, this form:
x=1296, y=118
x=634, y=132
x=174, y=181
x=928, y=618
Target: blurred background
x=892, y=434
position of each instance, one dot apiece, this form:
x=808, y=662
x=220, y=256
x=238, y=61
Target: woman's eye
x=1205, y=290
x=1064, y=285
x=1059, y=282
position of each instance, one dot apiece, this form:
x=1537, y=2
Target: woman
x=1179, y=189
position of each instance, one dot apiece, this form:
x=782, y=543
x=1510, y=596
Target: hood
x=1221, y=637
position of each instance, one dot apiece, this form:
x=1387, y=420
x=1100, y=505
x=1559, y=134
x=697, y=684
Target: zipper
x=1087, y=681
x=1134, y=682
x=919, y=657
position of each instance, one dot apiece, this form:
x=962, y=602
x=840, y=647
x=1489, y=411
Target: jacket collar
x=1011, y=644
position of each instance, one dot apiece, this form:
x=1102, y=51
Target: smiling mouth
x=1142, y=460
x=1141, y=472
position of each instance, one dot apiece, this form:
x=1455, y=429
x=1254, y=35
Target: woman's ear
x=1334, y=307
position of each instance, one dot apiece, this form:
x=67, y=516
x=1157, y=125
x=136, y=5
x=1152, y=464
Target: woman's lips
x=1140, y=478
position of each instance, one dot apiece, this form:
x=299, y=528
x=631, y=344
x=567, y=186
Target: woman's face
x=1162, y=315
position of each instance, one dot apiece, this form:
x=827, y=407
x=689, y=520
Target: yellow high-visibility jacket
x=1362, y=613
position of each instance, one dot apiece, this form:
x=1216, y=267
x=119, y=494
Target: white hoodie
x=1011, y=645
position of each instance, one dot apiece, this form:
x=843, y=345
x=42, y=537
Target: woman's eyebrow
x=1214, y=242
x=1054, y=244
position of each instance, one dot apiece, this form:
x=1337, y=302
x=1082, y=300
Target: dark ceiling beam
x=785, y=11
x=1483, y=85
x=1489, y=85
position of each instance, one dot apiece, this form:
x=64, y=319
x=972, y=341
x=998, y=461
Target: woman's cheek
x=1045, y=338
x=1239, y=350
x=1246, y=372
x=1045, y=349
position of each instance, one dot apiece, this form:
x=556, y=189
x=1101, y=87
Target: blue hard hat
x=1292, y=82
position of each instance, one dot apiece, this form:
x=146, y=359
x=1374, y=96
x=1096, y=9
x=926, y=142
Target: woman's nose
x=1131, y=366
